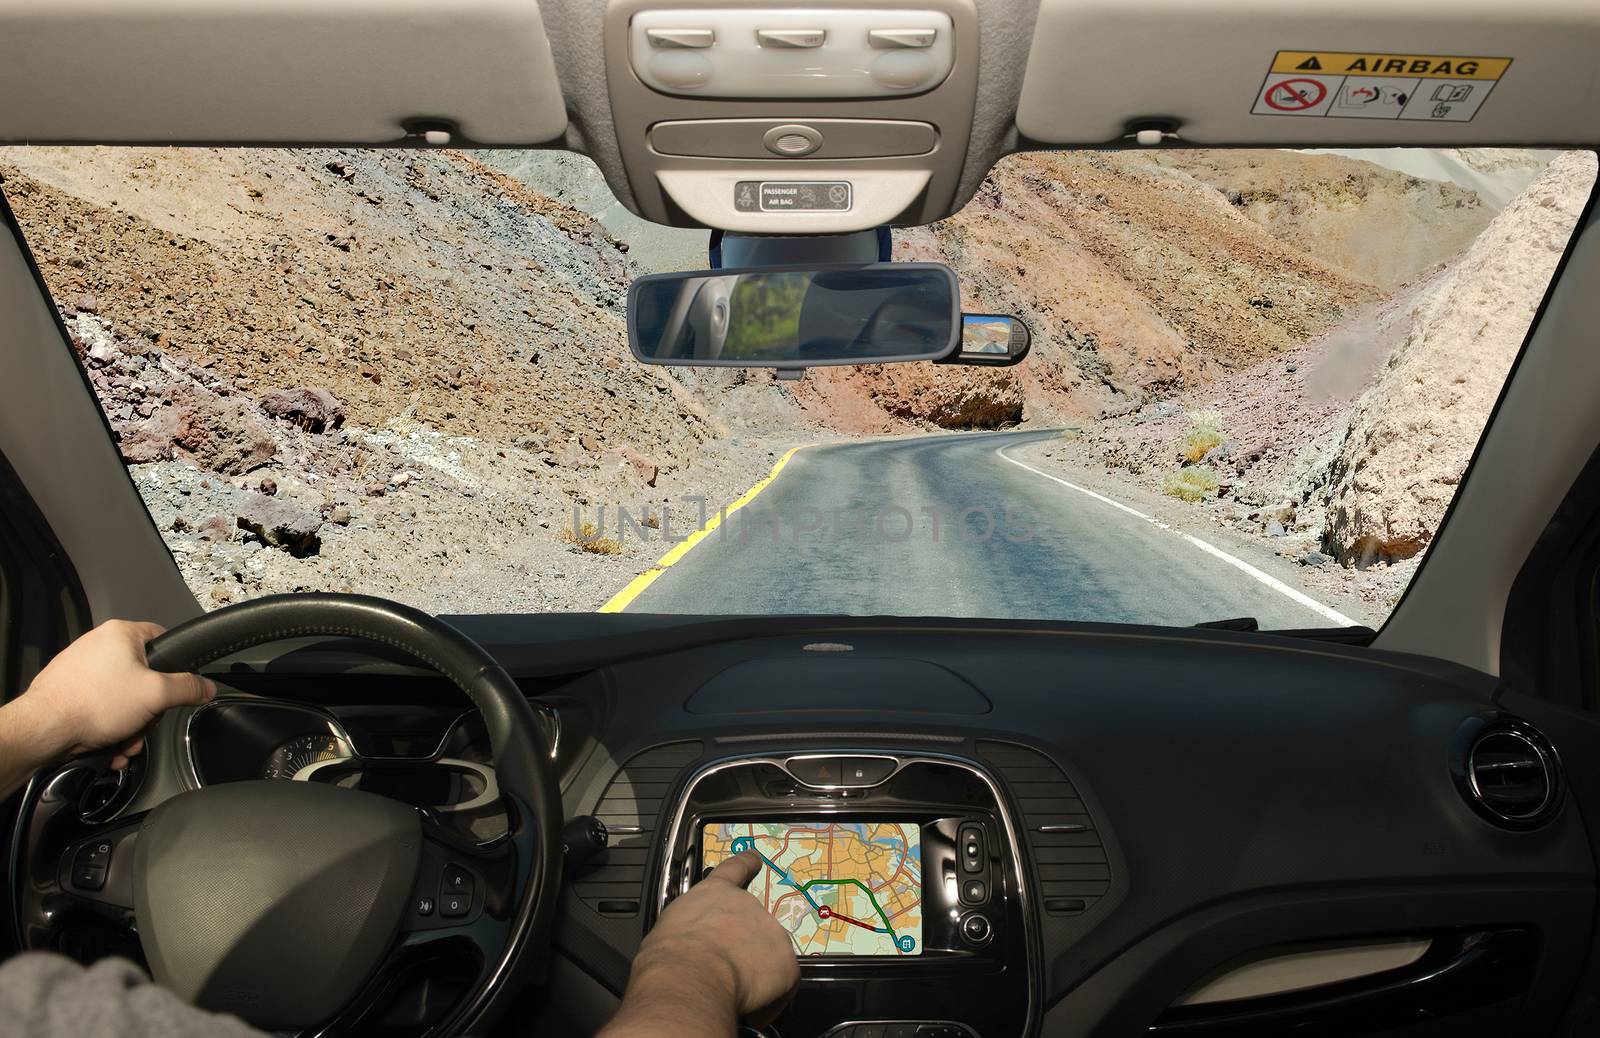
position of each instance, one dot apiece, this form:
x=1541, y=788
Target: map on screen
x=839, y=888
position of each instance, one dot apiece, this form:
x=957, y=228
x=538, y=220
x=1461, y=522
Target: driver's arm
x=715, y=956
x=99, y=692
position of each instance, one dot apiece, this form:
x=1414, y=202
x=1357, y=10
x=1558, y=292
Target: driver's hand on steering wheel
x=715, y=956
x=99, y=692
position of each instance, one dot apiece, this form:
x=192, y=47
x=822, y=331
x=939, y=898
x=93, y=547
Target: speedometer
x=299, y=753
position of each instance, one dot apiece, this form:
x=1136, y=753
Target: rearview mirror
x=995, y=340
x=795, y=317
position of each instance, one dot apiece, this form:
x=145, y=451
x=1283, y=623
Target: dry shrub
x=1205, y=433
x=1190, y=484
x=588, y=538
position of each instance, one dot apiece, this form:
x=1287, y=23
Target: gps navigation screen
x=839, y=888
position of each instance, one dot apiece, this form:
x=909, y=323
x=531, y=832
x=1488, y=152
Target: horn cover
x=273, y=900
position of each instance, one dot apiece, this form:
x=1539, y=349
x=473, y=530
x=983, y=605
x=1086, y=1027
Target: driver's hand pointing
x=714, y=956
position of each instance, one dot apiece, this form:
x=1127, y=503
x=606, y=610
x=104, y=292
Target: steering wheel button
x=455, y=905
x=88, y=877
x=424, y=906
x=457, y=880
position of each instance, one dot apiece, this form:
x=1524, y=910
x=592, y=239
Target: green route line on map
x=904, y=944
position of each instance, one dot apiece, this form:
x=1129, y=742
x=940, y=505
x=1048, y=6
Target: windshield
x=1256, y=380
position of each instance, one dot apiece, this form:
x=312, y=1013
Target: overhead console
x=805, y=120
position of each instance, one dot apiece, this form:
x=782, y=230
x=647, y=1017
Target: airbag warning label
x=791, y=196
x=1346, y=85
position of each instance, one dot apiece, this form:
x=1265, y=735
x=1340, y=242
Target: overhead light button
x=793, y=39
x=792, y=140
x=687, y=39
x=892, y=39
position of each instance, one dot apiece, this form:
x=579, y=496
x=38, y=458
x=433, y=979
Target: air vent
x=1508, y=772
x=1061, y=838
x=105, y=792
x=631, y=810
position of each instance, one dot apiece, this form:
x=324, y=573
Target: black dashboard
x=1185, y=832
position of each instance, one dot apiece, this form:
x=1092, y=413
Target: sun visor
x=1358, y=72
x=275, y=71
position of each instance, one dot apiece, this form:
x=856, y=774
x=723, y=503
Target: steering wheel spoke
x=462, y=915
x=74, y=886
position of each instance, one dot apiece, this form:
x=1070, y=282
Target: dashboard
x=982, y=830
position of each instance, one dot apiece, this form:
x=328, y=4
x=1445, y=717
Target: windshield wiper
x=1236, y=623
x=1356, y=635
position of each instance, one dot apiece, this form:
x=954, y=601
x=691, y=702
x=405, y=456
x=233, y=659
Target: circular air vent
x=106, y=791
x=1508, y=772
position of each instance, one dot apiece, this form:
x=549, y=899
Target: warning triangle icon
x=1311, y=64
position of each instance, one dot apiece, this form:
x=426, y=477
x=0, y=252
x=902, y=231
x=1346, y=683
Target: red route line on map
x=849, y=919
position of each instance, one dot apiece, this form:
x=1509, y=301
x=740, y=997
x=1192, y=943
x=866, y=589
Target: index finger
x=739, y=869
x=145, y=631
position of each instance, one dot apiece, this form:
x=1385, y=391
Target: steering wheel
x=303, y=906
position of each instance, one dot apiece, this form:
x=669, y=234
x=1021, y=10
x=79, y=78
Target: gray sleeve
x=49, y=996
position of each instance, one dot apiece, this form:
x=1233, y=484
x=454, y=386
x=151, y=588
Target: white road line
x=1298, y=597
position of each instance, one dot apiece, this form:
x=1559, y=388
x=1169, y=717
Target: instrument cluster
x=433, y=759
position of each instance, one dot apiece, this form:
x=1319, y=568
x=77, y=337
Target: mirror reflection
x=763, y=317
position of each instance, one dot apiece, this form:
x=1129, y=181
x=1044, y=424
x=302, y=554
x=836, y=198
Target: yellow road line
x=621, y=599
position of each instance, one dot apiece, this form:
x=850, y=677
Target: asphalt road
x=943, y=526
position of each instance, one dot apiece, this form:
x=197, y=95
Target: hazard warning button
x=816, y=771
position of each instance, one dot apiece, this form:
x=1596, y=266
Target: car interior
x=1118, y=828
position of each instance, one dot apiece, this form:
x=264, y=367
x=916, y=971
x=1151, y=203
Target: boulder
x=215, y=528
x=950, y=398
x=646, y=469
x=222, y=435
x=312, y=408
x=281, y=524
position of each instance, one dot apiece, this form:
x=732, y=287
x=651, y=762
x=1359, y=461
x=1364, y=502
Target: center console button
x=974, y=892
x=866, y=771
x=972, y=854
x=975, y=928
x=815, y=771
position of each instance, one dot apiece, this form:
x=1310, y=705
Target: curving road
x=945, y=526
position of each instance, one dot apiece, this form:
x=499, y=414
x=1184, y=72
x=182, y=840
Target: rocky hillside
x=406, y=283
x=396, y=371
x=1383, y=226
x=1411, y=434
x=1348, y=448
x=1144, y=275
